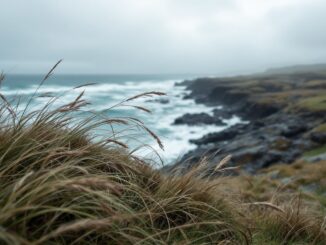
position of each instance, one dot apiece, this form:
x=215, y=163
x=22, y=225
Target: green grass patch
x=316, y=151
x=320, y=128
x=321, y=195
x=315, y=103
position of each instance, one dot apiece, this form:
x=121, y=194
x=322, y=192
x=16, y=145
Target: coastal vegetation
x=61, y=185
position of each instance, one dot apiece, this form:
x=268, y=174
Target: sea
x=110, y=90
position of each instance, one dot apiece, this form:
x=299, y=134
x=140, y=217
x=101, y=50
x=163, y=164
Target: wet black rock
x=213, y=92
x=318, y=137
x=292, y=130
x=197, y=119
x=254, y=111
x=223, y=113
x=279, y=138
x=227, y=134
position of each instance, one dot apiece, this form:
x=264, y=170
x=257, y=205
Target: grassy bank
x=60, y=186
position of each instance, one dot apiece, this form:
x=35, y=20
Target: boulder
x=226, y=135
x=223, y=113
x=197, y=119
x=318, y=137
x=294, y=129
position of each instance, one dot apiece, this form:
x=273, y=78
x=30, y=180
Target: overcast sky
x=160, y=36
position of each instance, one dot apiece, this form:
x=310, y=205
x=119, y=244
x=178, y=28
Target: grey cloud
x=142, y=36
x=304, y=25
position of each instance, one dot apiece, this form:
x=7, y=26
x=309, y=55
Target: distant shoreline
x=283, y=121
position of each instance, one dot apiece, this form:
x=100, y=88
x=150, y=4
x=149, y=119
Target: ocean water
x=112, y=89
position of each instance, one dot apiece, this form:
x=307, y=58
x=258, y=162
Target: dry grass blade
x=85, y=224
x=228, y=169
x=140, y=108
x=73, y=106
x=158, y=140
x=85, y=85
x=268, y=204
x=93, y=182
x=73, y=153
x=224, y=161
x=199, y=167
x=40, y=85
x=50, y=72
x=146, y=94
x=8, y=106
x=117, y=142
x=77, y=99
x=46, y=95
x=2, y=78
x=22, y=180
x=116, y=120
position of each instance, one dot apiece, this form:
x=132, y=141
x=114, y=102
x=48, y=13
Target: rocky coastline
x=286, y=116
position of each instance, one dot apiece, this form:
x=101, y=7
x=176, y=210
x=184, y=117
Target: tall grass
x=60, y=186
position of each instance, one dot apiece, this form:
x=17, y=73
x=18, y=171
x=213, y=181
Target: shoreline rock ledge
x=286, y=114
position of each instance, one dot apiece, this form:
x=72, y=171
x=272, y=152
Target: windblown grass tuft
x=59, y=185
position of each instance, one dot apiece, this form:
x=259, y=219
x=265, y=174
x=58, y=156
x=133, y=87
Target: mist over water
x=112, y=89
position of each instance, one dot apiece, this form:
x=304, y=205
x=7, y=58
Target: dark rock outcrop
x=212, y=93
x=197, y=119
x=223, y=113
x=256, y=145
x=273, y=135
x=318, y=137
